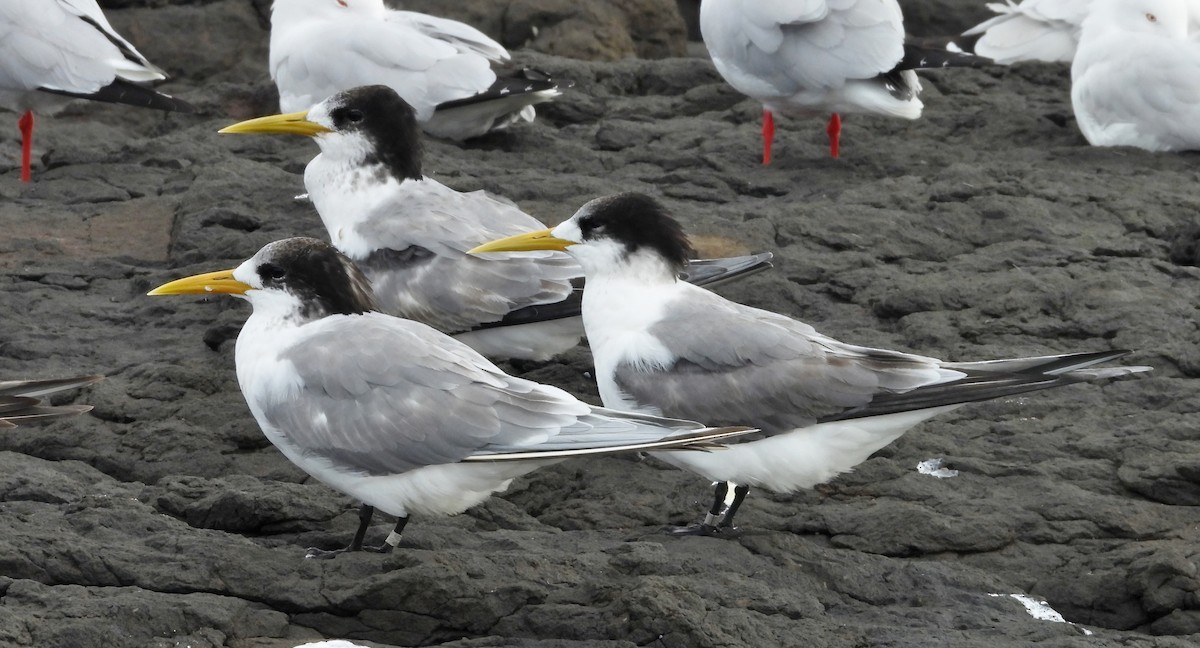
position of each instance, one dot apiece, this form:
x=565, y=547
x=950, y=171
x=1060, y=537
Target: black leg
x=365, y=513
x=393, y=539
x=709, y=526
x=739, y=496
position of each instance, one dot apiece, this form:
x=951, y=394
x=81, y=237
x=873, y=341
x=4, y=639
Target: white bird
x=817, y=56
x=1040, y=30
x=442, y=67
x=52, y=51
x=390, y=411
x=410, y=233
x=21, y=400
x=665, y=347
x=1134, y=78
x=1034, y=30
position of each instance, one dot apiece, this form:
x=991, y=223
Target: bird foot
x=729, y=532
x=706, y=530
x=317, y=553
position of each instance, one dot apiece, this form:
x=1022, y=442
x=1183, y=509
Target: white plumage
x=321, y=47
x=1134, y=77
x=1034, y=30
x=1039, y=30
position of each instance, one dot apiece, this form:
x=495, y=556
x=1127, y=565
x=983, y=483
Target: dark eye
x=271, y=271
x=354, y=115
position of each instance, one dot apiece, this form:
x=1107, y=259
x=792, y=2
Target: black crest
x=638, y=221
x=326, y=282
x=388, y=123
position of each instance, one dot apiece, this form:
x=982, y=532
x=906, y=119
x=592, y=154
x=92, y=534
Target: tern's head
x=298, y=278
x=610, y=234
x=368, y=126
x=1162, y=18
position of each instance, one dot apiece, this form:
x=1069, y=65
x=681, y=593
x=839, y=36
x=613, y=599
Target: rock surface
x=986, y=229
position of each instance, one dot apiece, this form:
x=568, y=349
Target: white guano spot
x=1042, y=611
x=933, y=468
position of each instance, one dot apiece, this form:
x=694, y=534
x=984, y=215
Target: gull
x=1133, y=80
x=1039, y=30
x=390, y=411
x=807, y=58
x=21, y=400
x=1033, y=30
x=665, y=347
x=410, y=233
x=442, y=67
x=52, y=51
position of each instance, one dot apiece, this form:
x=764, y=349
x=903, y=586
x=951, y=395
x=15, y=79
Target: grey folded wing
x=422, y=271
x=739, y=365
x=380, y=395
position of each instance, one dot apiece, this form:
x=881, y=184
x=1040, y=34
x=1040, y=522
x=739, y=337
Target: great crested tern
x=21, y=400
x=1133, y=80
x=806, y=58
x=392, y=412
x=665, y=347
x=442, y=67
x=52, y=51
x=410, y=233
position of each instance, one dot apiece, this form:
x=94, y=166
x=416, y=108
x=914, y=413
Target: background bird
x=54, y=50
x=21, y=400
x=665, y=347
x=1133, y=80
x=1040, y=30
x=807, y=58
x=442, y=67
x=410, y=233
x=390, y=411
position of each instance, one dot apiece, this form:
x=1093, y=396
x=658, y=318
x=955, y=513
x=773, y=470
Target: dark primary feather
x=132, y=94
x=20, y=400
x=920, y=57
x=523, y=81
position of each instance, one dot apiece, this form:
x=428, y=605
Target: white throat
x=347, y=191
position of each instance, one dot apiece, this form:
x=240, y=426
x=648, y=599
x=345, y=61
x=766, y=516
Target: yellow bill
x=287, y=124
x=212, y=283
x=539, y=240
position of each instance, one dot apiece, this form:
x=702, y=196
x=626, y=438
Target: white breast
x=618, y=313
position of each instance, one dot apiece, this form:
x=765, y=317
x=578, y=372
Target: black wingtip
x=920, y=57
x=131, y=94
x=520, y=82
x=714, y=272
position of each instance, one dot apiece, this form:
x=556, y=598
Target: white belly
x=803, y=457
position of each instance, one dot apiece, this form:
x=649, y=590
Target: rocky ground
x=986, y=229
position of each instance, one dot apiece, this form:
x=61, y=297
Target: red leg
x=25, y=123
x=768, y=134
x=835, y=134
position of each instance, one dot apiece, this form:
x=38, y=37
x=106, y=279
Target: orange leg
x=768, y=134
x=835, y=134
x=25, y=123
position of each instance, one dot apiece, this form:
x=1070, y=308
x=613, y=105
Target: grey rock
x=987, y=228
